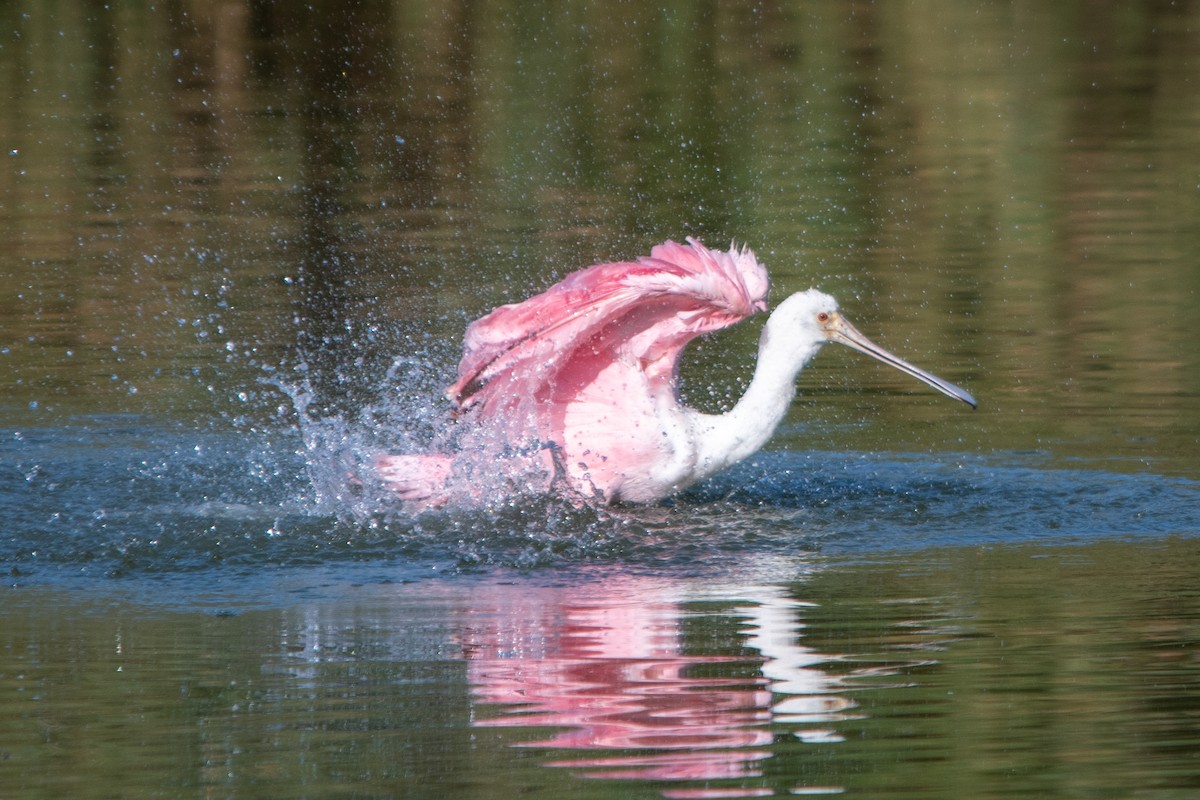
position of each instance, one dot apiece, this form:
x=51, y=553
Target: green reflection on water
x=1054, y=672
x=1023, y=670
x=1007, y=195
x=191, y=192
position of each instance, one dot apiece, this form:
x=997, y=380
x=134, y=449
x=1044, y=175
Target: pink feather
x=587, y=366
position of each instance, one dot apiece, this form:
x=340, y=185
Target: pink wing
x=627, y=315
x=588, y=367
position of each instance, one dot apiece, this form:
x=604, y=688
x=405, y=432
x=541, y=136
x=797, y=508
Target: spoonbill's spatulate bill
x=583, y=376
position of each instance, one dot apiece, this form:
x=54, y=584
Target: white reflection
x=648, y=679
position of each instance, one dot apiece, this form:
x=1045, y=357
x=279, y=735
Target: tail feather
x=419, y=480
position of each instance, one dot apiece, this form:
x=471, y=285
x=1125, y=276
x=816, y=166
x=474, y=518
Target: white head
x=803, y=317
x=806, y=320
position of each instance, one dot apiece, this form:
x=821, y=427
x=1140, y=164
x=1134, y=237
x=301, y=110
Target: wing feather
x=639, y=314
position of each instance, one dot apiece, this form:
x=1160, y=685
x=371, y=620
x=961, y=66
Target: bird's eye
x=823, y=316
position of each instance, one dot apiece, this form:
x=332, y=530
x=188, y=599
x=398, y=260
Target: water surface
x=242, y=240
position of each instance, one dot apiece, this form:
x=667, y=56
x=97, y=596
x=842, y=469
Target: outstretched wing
x=621, y=316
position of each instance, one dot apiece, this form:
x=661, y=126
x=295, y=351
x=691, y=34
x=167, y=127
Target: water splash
x=341, y=449
x=292, y=487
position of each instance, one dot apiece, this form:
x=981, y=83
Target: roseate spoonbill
x=585, y=373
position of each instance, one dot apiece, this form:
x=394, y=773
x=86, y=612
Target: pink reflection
x=610, y=667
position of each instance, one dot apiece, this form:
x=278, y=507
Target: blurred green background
x=1007, y=193
x=195, y=194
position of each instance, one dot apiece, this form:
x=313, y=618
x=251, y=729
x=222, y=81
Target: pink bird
x=579, y=385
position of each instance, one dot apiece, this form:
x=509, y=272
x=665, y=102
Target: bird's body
x=581, y=380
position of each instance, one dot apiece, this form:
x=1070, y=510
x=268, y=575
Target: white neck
x=725, y=439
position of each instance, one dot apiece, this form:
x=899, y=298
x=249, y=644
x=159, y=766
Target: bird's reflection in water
x=649, y=683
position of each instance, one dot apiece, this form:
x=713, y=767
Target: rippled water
x=119, y=497
x=241, y=242
x=1025, y=669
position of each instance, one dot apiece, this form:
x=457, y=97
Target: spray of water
x=504, y=503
